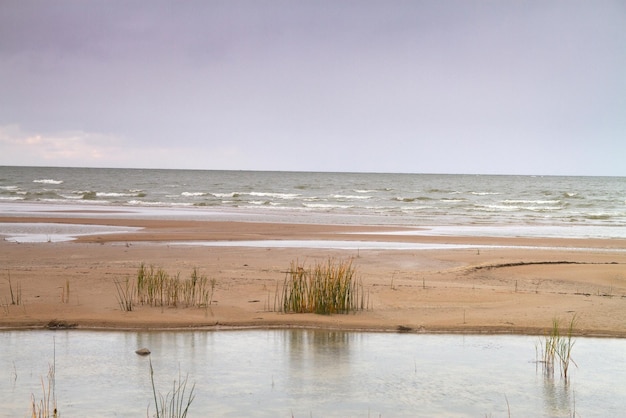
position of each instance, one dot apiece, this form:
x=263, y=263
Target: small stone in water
x=143, y=351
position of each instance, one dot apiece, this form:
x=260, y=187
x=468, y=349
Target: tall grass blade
x=174, y=404
x=326, y=288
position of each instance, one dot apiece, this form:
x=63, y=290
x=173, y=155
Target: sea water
x=526, y=204
x=309, y=373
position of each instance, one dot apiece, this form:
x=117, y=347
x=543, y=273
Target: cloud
x=21, y=147
x=90, y=149
x=314, y=85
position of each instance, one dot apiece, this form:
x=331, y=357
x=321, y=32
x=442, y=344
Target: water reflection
x=318, y=349
x=310, y=373
x=557, y=394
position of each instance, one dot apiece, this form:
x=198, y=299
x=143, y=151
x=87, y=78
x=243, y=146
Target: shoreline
x=517, y=288
x=530, y=332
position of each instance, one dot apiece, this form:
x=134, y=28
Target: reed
x=557, y=347
x=176, y=403
x=46, y=407
x=65, y=292
x=16, y=295
x=156, y=287
x=564, y=348
x=125, y=294
x=326, y=288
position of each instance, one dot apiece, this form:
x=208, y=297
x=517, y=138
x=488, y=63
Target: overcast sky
x=423, y=86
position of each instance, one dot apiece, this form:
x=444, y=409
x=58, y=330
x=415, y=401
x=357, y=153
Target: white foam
x=193, y=194
x=48, y=181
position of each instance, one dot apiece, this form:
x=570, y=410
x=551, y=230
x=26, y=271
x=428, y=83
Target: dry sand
x=489, y=290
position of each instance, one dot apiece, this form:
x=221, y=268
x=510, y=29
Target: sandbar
x=431, y=283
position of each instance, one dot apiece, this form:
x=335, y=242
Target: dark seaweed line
x=533, y=263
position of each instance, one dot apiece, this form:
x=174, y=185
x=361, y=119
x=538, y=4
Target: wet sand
x=519, y=286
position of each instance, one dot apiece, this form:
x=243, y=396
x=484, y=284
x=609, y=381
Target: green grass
x=155, y=287
x=326, y=288
x=557, y=347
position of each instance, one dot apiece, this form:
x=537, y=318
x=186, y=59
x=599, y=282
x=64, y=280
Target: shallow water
x=306, y=373
x=55, y=232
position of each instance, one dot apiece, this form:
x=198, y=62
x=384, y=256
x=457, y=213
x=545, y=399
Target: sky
x=418, y=86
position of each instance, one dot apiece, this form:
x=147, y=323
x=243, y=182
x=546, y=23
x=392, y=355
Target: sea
x=567, y=206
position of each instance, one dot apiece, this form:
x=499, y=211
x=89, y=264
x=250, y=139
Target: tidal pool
x=309, y=373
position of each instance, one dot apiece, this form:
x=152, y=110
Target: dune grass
x=326, y=288
x=155, y=287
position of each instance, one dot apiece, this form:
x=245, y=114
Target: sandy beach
x=481, y=285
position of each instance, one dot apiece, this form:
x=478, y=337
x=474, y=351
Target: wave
x=411, y=199
x=44, y=194
x=193, y=194
x=516, y=208
x=223, y=195
x=48, y=181
x=71, y=196
x=284, y=196
x=496, y=208
x=412, y=209
x=485, y=193
x=341, y=196
x=118, y=194
x=93, y=195
x=166, y=204
x=326, y=206
x=276, y=195
x=536, y=202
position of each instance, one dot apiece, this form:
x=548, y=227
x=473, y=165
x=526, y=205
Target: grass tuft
x=156, y=287
x=326, y=288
